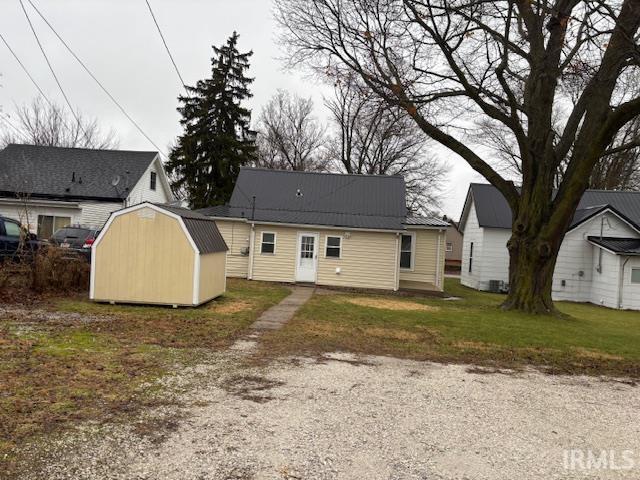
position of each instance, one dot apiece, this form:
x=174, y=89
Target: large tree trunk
x=532, y=261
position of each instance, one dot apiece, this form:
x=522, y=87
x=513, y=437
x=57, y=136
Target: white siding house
x=46, y=188
x=597, y=259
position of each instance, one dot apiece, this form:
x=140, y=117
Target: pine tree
x=217, y=139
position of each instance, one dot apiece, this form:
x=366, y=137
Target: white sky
x=118, y=41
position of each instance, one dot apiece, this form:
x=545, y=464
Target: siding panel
x=236, y=236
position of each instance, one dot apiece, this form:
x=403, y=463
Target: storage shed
x=158, y=254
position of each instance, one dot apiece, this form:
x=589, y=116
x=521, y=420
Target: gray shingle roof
x=354, y=201
x=426, y=221
x=203, y=230
x=621, y=246
x=70, y=173
x=493, y=210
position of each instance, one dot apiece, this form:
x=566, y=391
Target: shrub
x=57, y=269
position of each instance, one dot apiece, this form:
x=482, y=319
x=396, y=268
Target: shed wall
x=144, y=257
x=212, y=276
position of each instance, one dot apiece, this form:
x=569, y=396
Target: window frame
x=68, y=221
x=631, y=277
x=153, y=181
x=413, y=251
x=448, y=247
x=470, y=257
x=262, y=242
x=326, y=246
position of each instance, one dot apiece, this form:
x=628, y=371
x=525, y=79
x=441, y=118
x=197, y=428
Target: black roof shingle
x=353, y=201
x=71, y=173
x=493, y=210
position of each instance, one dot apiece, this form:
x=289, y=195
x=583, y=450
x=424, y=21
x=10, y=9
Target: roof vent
x=299, y=193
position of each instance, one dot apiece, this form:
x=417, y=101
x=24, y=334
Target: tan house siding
x=426, y=268
x=368, y=260
x=236, y=235
x=212, y=276
x=279, y=266
x=131, y=268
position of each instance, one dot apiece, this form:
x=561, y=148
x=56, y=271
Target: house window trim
x=54, y=217
x=631, y=276
x=153, y=181
x=326, y=245
x=262, y=242
x=413, y=252
x=446, y=247
x=470, y=257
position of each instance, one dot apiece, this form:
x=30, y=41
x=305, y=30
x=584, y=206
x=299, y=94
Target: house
x=46, y=188
x=329, y=229
x=158, y=254
x=453, y=250
x=599, y=259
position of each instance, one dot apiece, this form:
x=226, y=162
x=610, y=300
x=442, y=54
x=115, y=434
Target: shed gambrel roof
x=493, y=210
x=203, y=230
x=71, y=173
x=352, y=201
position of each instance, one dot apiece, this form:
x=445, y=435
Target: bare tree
x=41, y=123
x=289, y=136
x=455, y=64
x=377, y=139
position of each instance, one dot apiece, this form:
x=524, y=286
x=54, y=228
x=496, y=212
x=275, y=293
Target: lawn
x=76, y=360
x=590, y=340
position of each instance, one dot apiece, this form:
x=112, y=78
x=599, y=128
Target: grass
x=57, y=370
x=591, y=340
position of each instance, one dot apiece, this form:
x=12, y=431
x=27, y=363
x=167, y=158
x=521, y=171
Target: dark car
x=77, y=239
x=15, y=240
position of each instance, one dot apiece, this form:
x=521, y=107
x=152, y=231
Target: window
x=449, y=247
x=12, y=229
x=406, y=252
x=268, y=243
x=635, y=275
x=152, y=183
x=334, y=247
x=471, y=257
x=48, y=225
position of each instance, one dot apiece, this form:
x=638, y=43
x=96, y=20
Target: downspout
x=438, y=260
x=396, y=272
x=252, y=237
x=621, y=281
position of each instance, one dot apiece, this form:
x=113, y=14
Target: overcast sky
x=118, y=41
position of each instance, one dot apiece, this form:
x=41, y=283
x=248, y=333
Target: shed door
x=307, y=262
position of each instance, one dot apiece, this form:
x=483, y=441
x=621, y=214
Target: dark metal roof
x=71, y=173
x=203, y=230
x=621, y=246
x=353, y=201
x=493, y=210
x=426, y=221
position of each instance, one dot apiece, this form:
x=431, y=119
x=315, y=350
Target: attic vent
x=299, y=193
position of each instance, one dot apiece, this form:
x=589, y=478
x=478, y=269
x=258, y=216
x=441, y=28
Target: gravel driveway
x=343, y=417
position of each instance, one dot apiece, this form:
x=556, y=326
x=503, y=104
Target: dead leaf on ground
x=231, y=307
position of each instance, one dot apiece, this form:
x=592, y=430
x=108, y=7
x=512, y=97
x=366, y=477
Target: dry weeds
x=391, y=304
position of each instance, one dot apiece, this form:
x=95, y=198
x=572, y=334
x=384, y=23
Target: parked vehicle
x=76, y=239
x=13, y=236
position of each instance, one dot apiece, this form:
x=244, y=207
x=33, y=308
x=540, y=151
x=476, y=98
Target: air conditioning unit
x=496, y=286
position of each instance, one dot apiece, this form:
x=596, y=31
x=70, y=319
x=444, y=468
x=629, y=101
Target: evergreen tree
x=217, y=139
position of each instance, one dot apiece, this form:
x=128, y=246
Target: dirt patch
x=475, y=346
x=389, y=304
x=231, y=307
x=251, y=387
x=591, y=354
x=392, y=333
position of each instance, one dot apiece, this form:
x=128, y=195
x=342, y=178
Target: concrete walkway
x=279, y=314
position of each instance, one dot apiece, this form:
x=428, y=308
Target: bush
x=57, y=269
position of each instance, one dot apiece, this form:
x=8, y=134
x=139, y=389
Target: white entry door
x=307, y=262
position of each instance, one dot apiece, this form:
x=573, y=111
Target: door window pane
x=60, y=222
x=45, y=226
x=307, y=247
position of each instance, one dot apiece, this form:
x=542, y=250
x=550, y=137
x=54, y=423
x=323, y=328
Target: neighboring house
x=453, y=256
x=329, y=229
x=47, y=188
x=598, y=262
